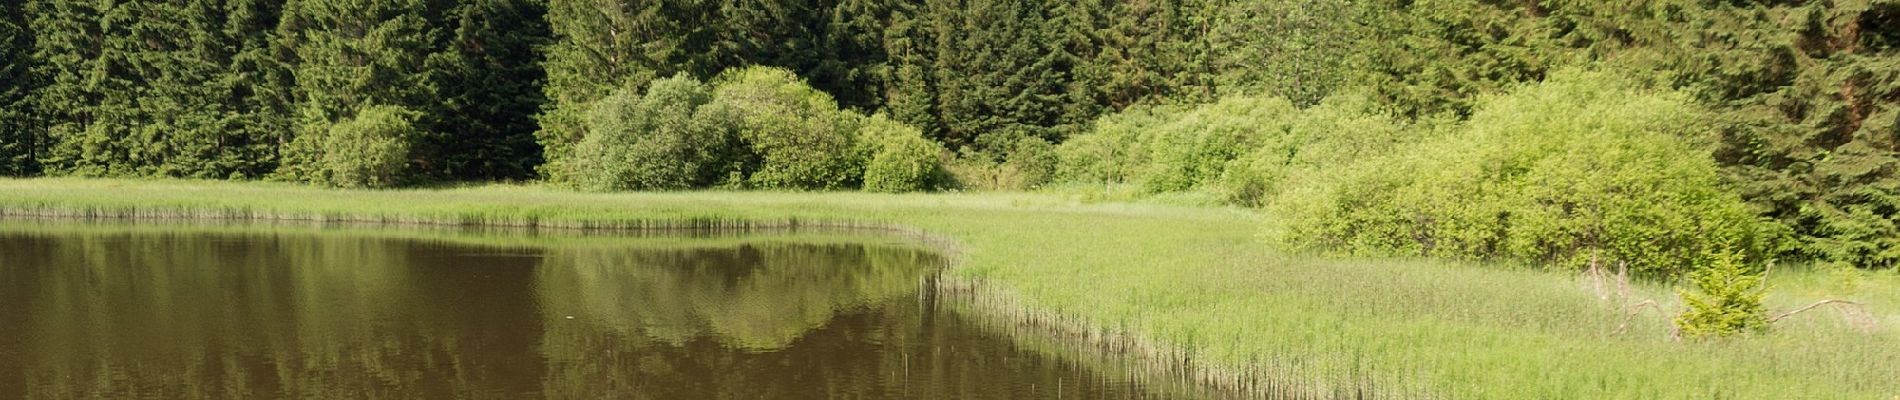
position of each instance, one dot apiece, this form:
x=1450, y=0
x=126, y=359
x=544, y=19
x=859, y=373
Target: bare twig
x=1631, y=315
x=1813, y=306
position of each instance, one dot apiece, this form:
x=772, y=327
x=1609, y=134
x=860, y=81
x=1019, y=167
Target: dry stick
x=1812, y=306
x=1637, y=309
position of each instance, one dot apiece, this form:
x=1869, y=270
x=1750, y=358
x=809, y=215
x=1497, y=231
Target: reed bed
x=1188, y=294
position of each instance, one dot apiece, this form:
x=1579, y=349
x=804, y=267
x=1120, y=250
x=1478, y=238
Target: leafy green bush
x=370, y=150
x=1168, y=149
x=801, y=139
x=1005, y=161
x=1113, y=152
x=1241, y=149
x=1192, y=150
x=1580, y=169
x=901, y=159
x=667, y=139
x=1312, y=144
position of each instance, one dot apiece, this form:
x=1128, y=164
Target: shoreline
x=1191, y=296
x=1164, y=366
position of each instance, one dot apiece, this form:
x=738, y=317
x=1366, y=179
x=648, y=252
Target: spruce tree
x=852, y=64
x=349, y=56
x=599, y=46
x=19, y=134
x=490, y=79
x=67, y=54
x=909, y=94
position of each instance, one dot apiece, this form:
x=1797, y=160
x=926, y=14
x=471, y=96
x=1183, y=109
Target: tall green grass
x=1194, y=284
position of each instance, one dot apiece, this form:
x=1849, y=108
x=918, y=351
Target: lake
x=155, y=311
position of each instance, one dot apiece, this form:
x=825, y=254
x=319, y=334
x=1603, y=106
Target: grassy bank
x=1195, y=282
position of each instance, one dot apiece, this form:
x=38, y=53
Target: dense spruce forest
x=1666, y=134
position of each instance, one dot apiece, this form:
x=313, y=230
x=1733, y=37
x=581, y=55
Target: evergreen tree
x=991, y=73
x=490, y=79
x=599, y=46
x=852, y=64
x=909, y=94
x=19, y=134
x=179, y=123
x=256, y=84
x=349, y=56
x=1298, y=49
x=67, y=51
x=781, y=33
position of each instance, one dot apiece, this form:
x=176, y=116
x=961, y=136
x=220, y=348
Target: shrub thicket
x=1168, y=149
x=1005, y=162
x=801, y=138
x=666, y=139
x=1313, y=144
x=370, y=150
x=899, y=158
x=1241, y=148
x=756, y=127
x=1576, y=170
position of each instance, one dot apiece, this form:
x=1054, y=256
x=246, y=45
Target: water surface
x=193, y=312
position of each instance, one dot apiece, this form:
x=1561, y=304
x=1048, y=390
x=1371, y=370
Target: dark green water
x=120, y=312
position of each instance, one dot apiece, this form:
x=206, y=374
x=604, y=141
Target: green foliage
x=1727, y=299
x=1580, y=169
x=370, y=150
x=801, y=139
x=901, y=159
x=1240, y=147
x=597, y=48
x=667, y=139
x=1005, y=162
x=1805, y=91
x=20, y=139
x=1313, y=145
x=1192, y=149
x=1301, y=50
x=1115, y=150
x=144, y=88
x=489, y=76
x=755, y=127
x=349, y=56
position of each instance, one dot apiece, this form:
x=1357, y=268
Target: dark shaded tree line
x=254, y=89
x=250, y=89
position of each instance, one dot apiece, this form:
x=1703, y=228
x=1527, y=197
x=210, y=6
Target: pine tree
x=179, y=125
x=67, y=51
x=20, y=139
x=350, y=56
x=1726, y=300
x=852, y=63
x=909, y=94
x=490, y=78
x=599, y=46
x=256, y=84
x=1298, y=49
x=781, y=33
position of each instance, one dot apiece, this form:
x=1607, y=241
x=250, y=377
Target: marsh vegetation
x=1342, y=197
